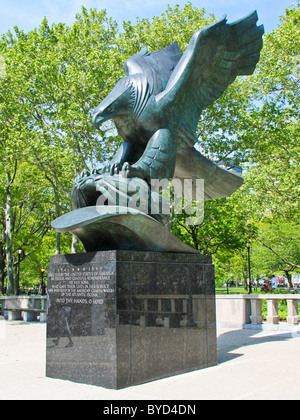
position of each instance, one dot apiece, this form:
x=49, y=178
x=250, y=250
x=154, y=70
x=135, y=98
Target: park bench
x=26, y=308
x=26, y=314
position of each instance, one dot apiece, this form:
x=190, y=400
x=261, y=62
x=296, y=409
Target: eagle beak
x=99, y=117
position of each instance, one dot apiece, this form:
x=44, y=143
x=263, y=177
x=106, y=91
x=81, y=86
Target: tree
x=12, y=139
x=278, y=248
x=54, y=76
x=59, y=67
x=270, y=195
x=29, y=218
x=273, y=137
x=51, y=82
x=221, y=229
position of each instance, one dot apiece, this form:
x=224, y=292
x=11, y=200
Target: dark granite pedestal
x=121, y=318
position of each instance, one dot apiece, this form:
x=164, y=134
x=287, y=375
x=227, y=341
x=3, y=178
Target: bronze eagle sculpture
x=157, y=105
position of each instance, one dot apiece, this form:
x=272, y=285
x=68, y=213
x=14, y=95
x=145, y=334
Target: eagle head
x=129, y=96
x=120, y=101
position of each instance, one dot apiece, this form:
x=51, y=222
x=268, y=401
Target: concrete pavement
x=251, y=365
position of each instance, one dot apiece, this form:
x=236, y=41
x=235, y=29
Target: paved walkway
x=252, y=365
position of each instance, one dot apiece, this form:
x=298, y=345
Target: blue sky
x=28, y=14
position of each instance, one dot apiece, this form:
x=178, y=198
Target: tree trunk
x=9, y=238
x=2, y=267
x=289, y=278
x=74, y=245
x=57, y=244
x=57, y=211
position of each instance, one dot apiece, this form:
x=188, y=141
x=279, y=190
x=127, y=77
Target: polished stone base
x=121, y=318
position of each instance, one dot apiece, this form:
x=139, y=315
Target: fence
x=240, y=310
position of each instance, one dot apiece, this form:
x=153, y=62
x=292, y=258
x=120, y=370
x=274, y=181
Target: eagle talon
x=86, y=176
x=85, y=173
x=96, y=172
x=105, y=170
x=130, y=171
x=115, y=169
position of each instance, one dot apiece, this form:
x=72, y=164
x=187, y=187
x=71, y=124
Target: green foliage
x=56, y=75
x=52, y=81
x=221, y=228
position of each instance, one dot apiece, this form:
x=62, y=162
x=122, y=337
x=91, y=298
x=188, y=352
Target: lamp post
x=19, y=253
x=42, y=281
x=249, y=271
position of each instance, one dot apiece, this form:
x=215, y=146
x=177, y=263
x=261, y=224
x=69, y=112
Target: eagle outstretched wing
x=156, y=66
x=214, y=57
x=166, y=93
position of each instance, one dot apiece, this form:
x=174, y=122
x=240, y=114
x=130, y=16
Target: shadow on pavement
x=235, y=339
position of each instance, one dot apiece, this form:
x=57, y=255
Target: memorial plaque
x=81, y=321
x=89, y=291
x=120, y=318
